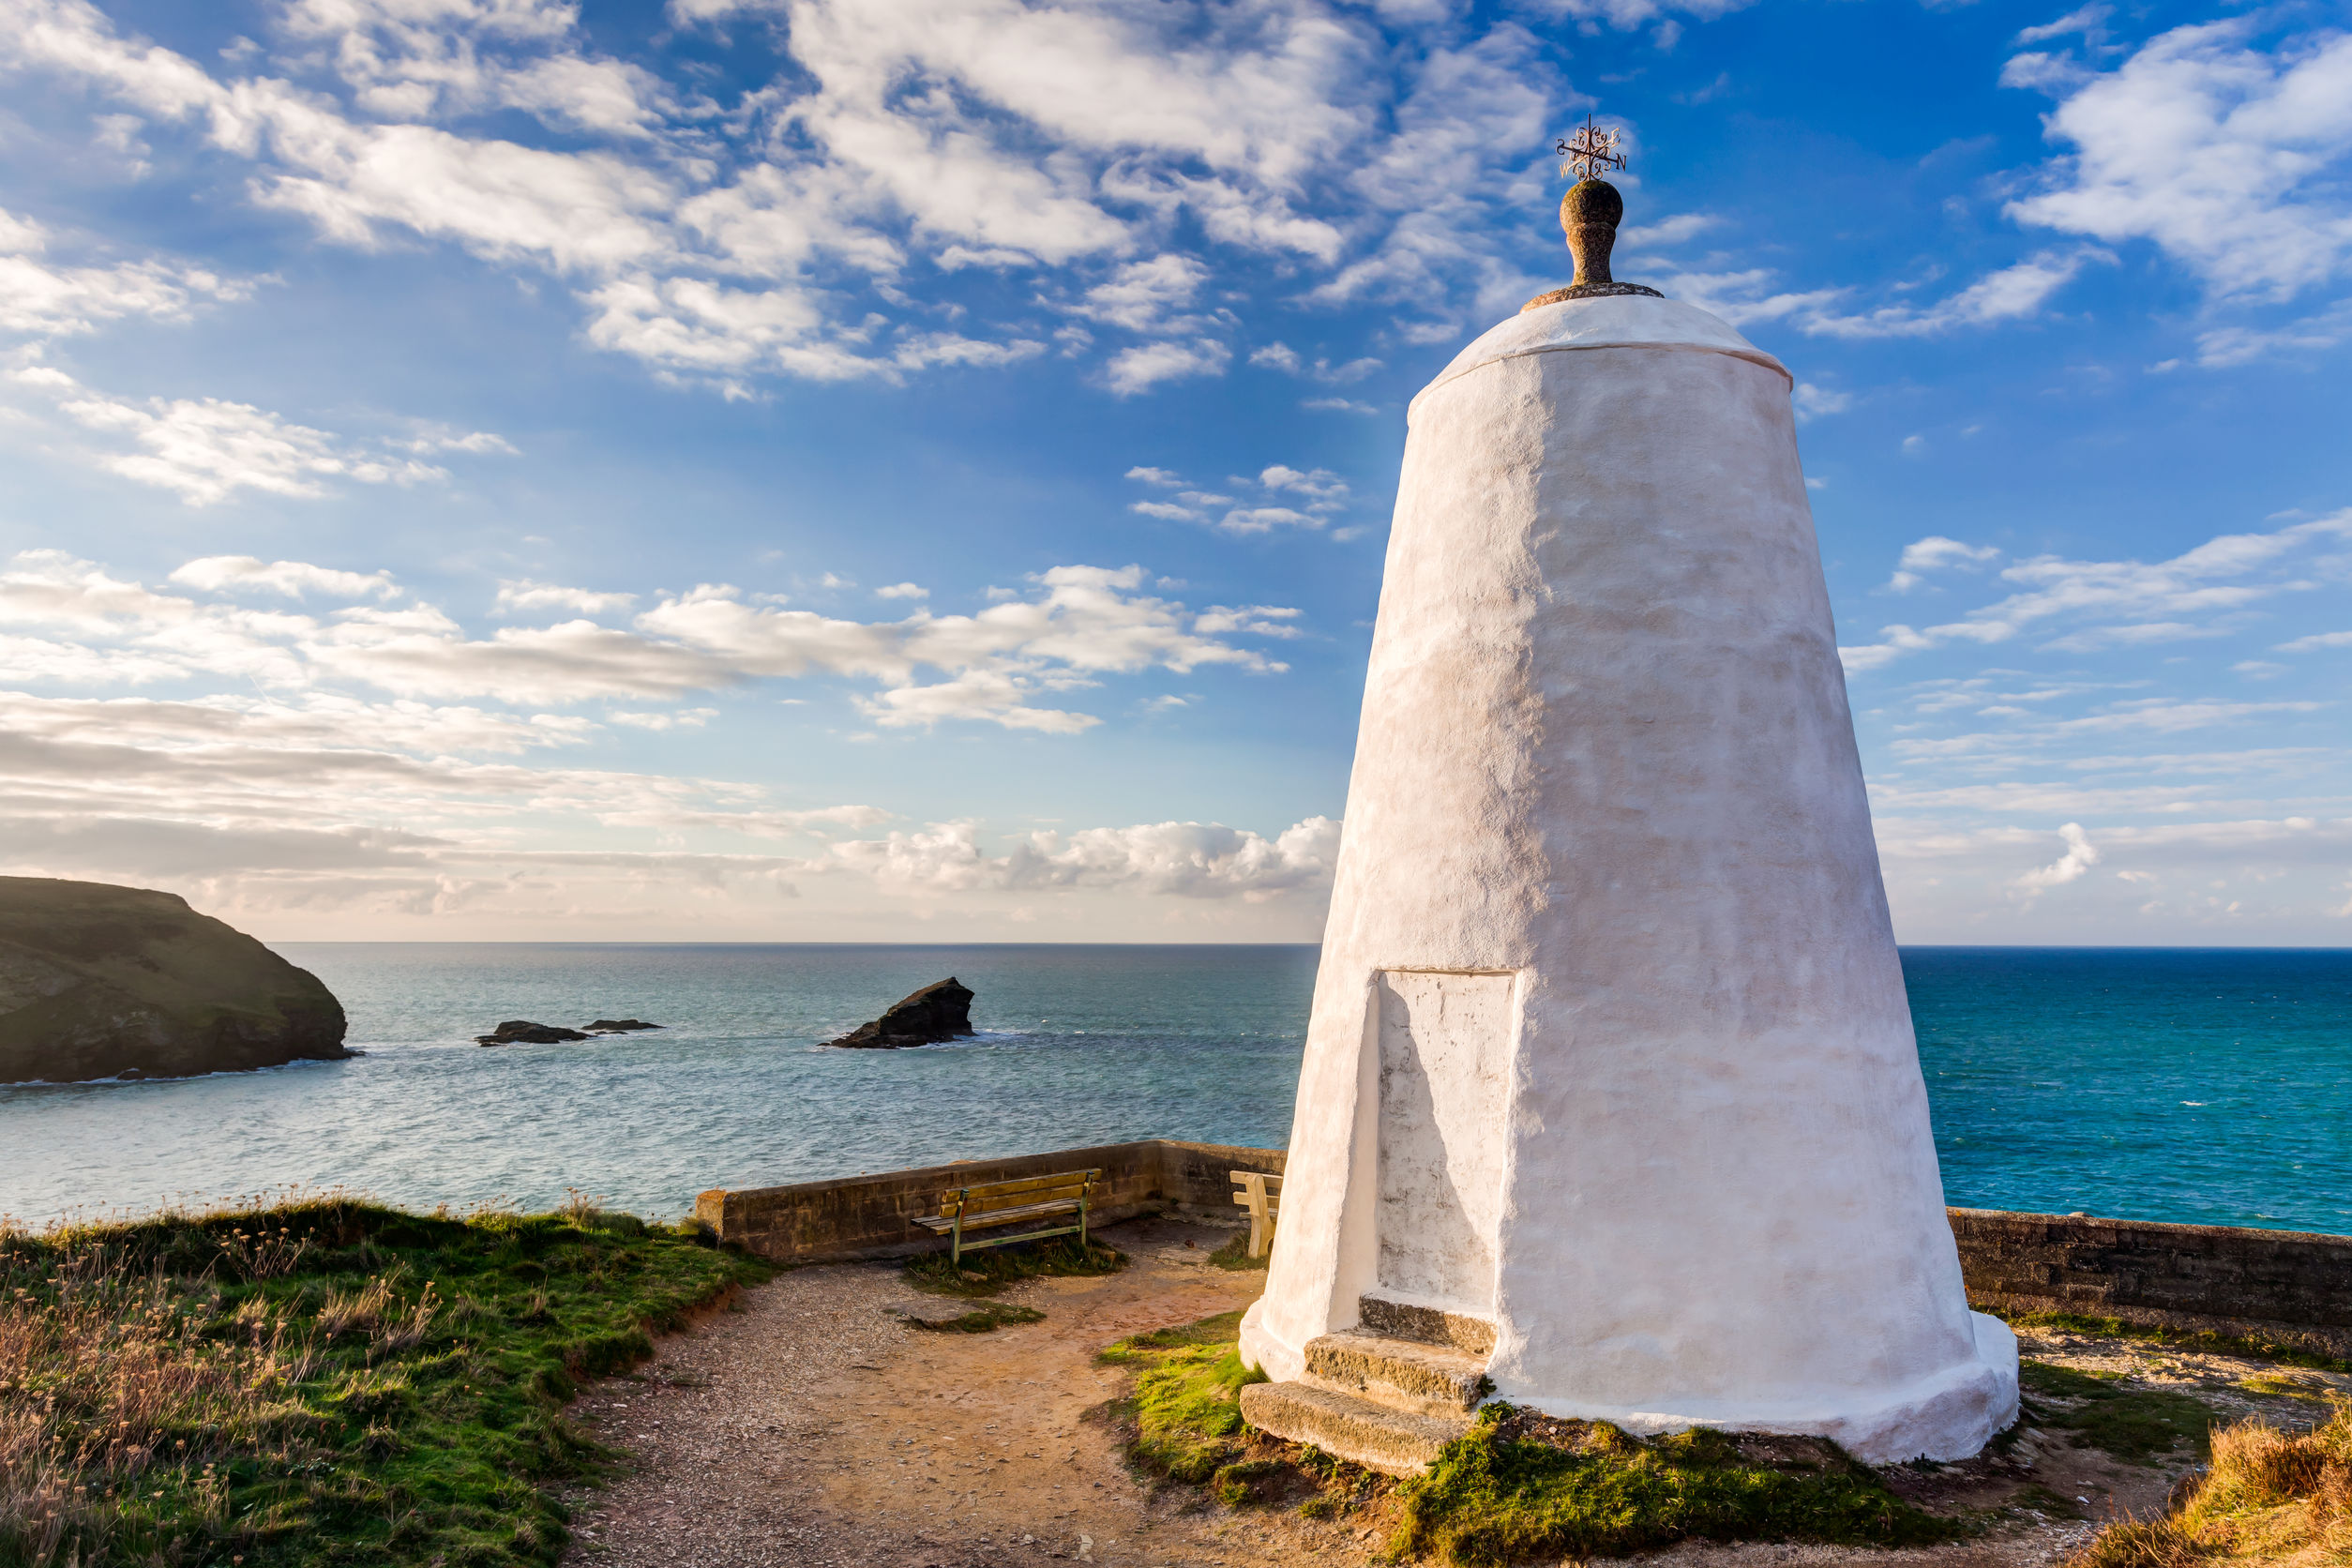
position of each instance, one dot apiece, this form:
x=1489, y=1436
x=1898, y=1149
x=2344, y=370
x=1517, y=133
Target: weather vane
x=1591, y=153
x=1589, y=214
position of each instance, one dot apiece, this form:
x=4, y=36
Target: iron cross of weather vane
x=1591, y=153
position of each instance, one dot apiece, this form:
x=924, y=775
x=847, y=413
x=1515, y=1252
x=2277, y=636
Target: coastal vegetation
x=2100, y=1409
x=1519, y=1486
x=985, y=1273
x=1186, y=1425
x=2270, y=1495
x=321, y=1380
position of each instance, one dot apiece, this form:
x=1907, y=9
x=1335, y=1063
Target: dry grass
x=2271, y=1497
x=117, y=1407
x=288, y=1386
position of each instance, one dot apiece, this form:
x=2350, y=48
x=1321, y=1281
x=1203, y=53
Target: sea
x=2204, y=1085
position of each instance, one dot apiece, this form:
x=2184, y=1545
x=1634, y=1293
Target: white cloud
x=2080, y=857
x=1079, y=624
x=45, y=299
x=293, y=579
x=2228, y=157
x=1189, y=860
x=1935, y=553
x=1284, y=497
x=1811, y=401
x=207, y=450
x=2124, y=601
x=903, y=591
x=789, y=231
x=1146, y=365
x=523, y=594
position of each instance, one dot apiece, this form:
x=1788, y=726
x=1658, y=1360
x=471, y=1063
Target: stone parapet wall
x=2289, y=1286
x=873, y=1216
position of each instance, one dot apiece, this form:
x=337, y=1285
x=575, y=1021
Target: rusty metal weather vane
x=1589, y=153
x=1589, y=215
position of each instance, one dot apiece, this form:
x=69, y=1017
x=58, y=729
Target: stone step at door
x=1429, y=1325
x=1403, y=1374
x=1378, y=1437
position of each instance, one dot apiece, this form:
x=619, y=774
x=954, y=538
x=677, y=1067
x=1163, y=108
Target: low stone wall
x=2289, y=1286
x=873, y=1216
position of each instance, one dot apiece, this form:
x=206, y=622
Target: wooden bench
x=986, y=1205
x=1261, y=1195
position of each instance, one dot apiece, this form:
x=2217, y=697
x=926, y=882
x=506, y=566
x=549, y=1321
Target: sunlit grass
x=318, y=1381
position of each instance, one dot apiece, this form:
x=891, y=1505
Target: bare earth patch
x=815, y=1425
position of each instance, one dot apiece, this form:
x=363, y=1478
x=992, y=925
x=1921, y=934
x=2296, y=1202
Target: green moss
x=327, y=1381
x=984, y=1318
x=1187, y=1419
x=1496, y=1496
x=2104, y=1411
x=2278, y=1385
x=984, y=1274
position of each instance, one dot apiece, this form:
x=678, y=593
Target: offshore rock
x=940, y=1011
x=620, y=1026
x=522, y=1032
x=98, y=981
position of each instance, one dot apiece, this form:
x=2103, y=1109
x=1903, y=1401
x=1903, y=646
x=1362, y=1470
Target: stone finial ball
x=1592, y=201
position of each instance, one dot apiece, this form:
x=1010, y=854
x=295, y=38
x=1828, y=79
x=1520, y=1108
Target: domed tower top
x=1589, y=214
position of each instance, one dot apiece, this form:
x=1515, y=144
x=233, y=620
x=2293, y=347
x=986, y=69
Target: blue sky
x=918, y=468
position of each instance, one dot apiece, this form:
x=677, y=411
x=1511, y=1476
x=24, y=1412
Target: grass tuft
x=1520, y=1486
x=2136, y=1425
x=984, y=1318
x=317, y=1381
x=2269, y=1495
x=1234, y=1255
x=984, y=1274
x=1187, y=1419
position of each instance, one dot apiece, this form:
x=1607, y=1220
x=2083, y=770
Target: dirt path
x=814, y=1427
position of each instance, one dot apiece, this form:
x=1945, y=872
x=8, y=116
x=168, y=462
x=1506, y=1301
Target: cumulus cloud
x=523, y=594
x=2228, y=157
x=1277, y=496
x=1077, y=625
x=2080, y=857
x=1187, y=860
x=292, y=579
x=41, y=298
x=2011, y=293
x=793, y=228
x=2110, y=603
x=207, y=450
x=1935, y=553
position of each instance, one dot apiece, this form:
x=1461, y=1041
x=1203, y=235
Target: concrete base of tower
x=1947, y=1415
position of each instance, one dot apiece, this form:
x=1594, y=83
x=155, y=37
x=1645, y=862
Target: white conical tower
x=1611, y=1091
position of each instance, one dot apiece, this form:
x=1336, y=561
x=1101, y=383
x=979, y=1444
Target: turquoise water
x=2209, y=1086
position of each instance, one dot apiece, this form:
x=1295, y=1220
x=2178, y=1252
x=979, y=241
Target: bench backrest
x=988, y=1197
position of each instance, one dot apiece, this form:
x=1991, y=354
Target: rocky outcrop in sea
x=98, y=981
x=522, y=1032
x=940, y=1011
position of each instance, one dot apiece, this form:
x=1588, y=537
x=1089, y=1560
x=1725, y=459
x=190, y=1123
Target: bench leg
x=955, y=1241
x=1082, y=1224
x=1256, y=1232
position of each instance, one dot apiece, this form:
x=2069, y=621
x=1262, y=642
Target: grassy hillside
x=324, y=1381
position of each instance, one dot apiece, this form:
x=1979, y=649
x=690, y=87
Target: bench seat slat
x=946, y=1223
